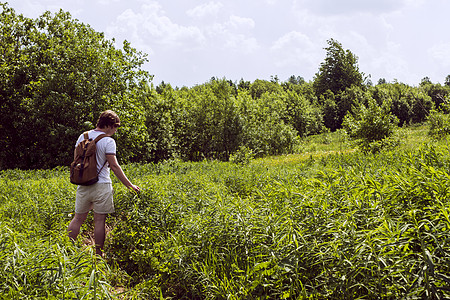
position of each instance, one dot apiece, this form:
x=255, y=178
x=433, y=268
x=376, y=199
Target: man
x=99, y=196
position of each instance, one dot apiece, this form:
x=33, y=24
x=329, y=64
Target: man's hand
x=135, y=188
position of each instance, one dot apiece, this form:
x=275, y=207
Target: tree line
x=57, y=74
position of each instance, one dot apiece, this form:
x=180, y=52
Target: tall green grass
x=36, y=259
x=324, y=224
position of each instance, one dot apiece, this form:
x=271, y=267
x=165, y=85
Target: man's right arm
x=115, y=167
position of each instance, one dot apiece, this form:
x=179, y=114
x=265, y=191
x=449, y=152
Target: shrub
x=242, y=156
x=57, y=76
x=371, y=126
x=439, y=124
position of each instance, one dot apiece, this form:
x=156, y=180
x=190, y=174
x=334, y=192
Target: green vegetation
x=58, y=74
x=264, y=189
x=338, y=72
x=325, y=224
x=371, y=126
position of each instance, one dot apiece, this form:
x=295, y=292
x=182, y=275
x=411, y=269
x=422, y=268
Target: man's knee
x=80, y=218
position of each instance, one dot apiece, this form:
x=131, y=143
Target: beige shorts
x=98, y=196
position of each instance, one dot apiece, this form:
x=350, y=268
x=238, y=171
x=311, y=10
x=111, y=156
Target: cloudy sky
x=189, y=41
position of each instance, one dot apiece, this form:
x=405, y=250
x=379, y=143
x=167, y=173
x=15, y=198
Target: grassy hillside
x=325, y=223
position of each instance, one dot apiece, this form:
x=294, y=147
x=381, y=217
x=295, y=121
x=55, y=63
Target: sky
x=190, y=41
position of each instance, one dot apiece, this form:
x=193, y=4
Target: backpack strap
x=96, y=140
x=86, y=136
x=102, y=167
x=100, y=137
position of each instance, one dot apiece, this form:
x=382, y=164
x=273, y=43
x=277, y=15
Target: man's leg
x=75, y=225
x=99, y=232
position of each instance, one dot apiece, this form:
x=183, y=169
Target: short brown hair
x=108, y=118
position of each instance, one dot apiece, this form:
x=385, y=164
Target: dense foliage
x=311, y=226
x=338, y=72
x=371, y=125
x=58, y=74
x=319, y=224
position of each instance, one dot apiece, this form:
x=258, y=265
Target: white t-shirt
x=106, y=145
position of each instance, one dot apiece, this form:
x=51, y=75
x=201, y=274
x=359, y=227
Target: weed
x=330, y=224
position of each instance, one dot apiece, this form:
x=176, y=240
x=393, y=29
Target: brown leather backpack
x=83, y=170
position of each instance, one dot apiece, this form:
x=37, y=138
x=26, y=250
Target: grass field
x=325, y=223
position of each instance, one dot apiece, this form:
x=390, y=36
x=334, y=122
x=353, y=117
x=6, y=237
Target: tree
x=371, y=125
x=352, y=96
x=425, y=81
x=208, y=124
x=57, y=76
x=330, y=111
x=421, y=106
x=301, y=114
x=439, y=125
x=447, y=80
x=264, y=130
x=162, y=87
x=296, y=80
x=161, y=112
x=401, y=101
x=243, y=85
x=381, y=81
x=259, y=87
x=338, y=72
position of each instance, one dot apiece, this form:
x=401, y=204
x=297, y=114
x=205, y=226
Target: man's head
x=108, y=118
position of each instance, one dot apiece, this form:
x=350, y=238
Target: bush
x=58, y=75
x=439, y=124
x=264, y=130
x=345, y=226
x=371, y=126
x=243, y=156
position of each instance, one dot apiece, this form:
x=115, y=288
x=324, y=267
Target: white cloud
x=233, y=34
x=441, y=53
x=35, y=8
x=343, y=7
x=389, y=63
x=403, y=39
x=206, y=9
x=240, y=22
x=152, y=25
x=107, y=2
x=293, y=37
x=296, y=49
x=241, y=43
x=415, y=3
